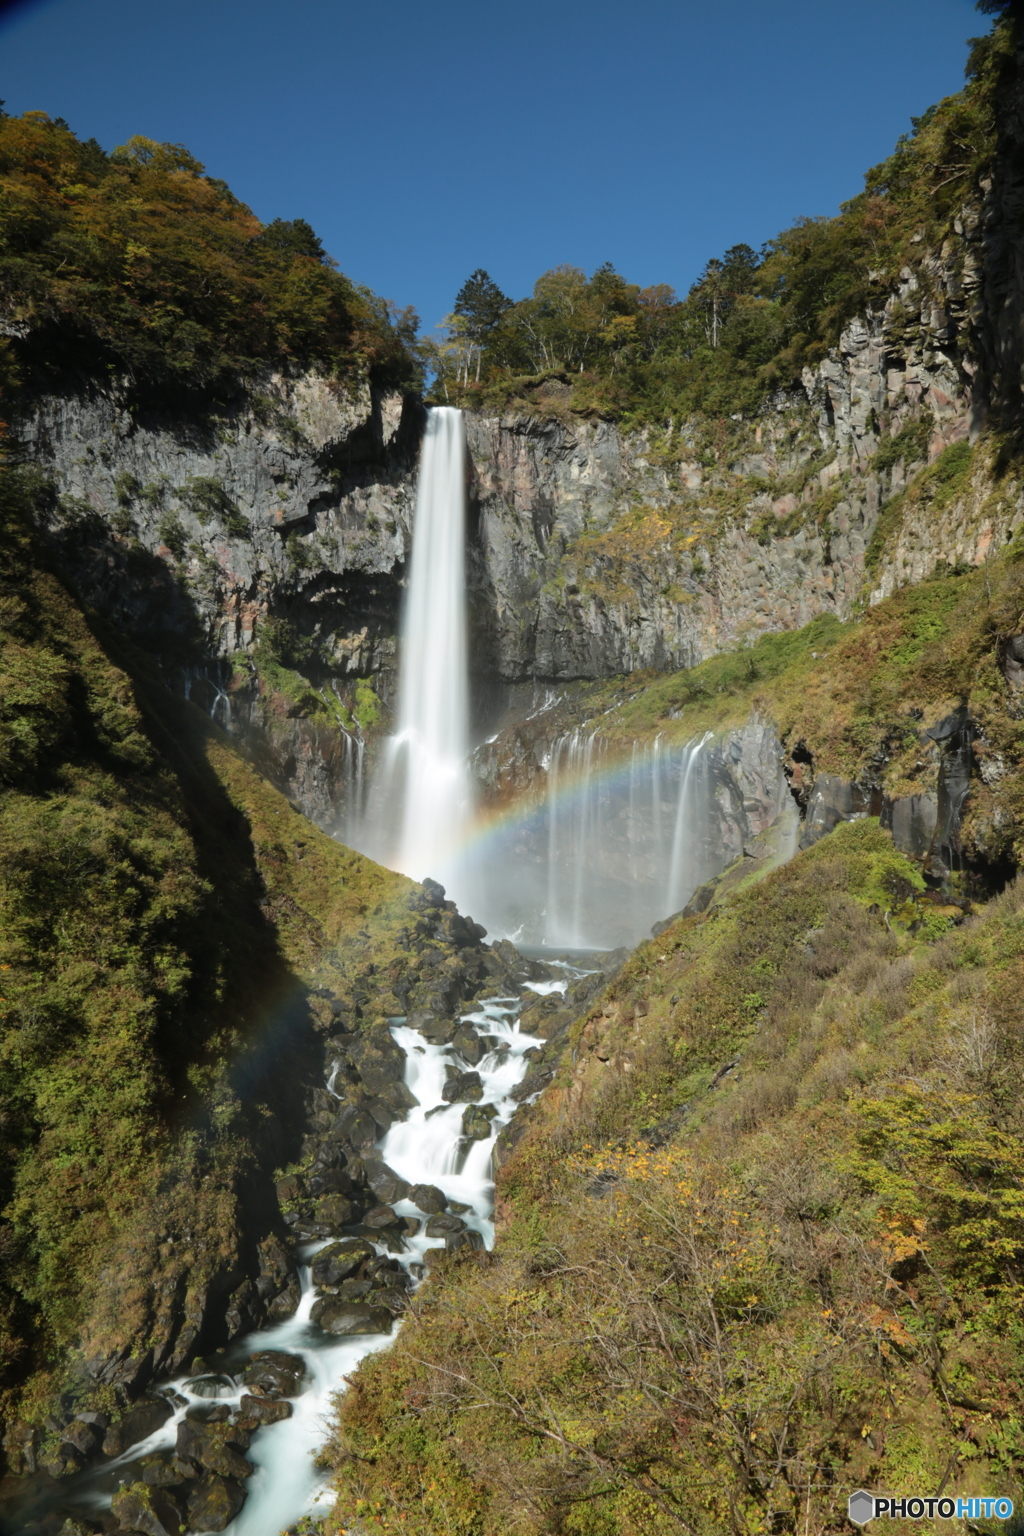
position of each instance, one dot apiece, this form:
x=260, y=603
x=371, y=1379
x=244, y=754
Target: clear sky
x=424, y=140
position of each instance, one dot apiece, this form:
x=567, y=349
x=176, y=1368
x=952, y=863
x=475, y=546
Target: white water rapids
x=428, y=1147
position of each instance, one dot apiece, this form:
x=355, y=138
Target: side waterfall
x=620, y=840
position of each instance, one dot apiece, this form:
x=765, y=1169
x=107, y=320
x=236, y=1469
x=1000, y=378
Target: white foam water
x=425, y=774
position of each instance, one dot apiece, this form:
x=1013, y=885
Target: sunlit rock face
x=590, y=551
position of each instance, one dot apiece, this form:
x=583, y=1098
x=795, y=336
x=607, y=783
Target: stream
x=427, y=1148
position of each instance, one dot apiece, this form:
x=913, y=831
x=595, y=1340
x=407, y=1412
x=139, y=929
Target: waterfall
x=620, y=839
x=430, y=747
x=682, y=876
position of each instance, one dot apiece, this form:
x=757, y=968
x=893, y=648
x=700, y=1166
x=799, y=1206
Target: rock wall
x=295, y=503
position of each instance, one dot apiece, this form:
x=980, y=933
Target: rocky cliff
x=593, y=551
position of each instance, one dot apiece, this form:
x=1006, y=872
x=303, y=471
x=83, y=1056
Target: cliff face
x=593, y=551
x=294, y=503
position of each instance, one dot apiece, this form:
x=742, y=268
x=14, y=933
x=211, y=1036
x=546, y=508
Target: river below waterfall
x=430, y=1150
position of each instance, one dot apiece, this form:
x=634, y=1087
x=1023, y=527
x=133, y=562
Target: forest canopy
x=140, y=266
x=753, y=319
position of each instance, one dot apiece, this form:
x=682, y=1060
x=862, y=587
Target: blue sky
x=424, y=140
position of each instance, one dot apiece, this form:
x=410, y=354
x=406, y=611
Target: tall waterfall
x=430, y=748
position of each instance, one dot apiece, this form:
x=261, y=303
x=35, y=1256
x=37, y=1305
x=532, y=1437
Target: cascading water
x=616, y=844
x=426, y=761
x=429, y=1147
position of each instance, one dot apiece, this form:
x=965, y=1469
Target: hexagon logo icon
x=861, y=1507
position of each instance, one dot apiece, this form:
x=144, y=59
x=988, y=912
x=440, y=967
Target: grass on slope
x=163, y=914
x=760, y=1245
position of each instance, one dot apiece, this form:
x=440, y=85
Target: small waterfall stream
x=430, y=1147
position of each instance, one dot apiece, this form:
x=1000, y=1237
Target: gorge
x=509, y=888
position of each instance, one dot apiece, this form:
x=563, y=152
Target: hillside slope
x=167, y=921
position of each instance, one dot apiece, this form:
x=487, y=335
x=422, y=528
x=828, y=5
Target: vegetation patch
x=760, y=1241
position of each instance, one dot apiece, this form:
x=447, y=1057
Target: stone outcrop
x=294, y=503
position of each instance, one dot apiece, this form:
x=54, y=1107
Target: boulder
x=382, y=1113
x=291, y=1188
x=209, y=1446
x=476, y=1121
x=141, y=1421
x=63, y=1461
x=464, y=1088
x=399, y=1098
x=456, y=1241
x=214, y=1502
x=336, y=1211
x=82, y=1437
x=391, y=1296
x=441, y=1226
x=332, y=1181
x=468, y=1044
x=164, y=1472
x=349, y=1317
x=381, y=1216
x=355, y=1125
x=379, y=1061
x=428, y=1199
x=337, y=1262
x=265, y=1410
x=153, y=1511
x=386, y=1184
x=434, y=1026
x=275, y=1374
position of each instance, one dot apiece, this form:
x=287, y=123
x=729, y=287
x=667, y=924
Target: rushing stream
x=427, y=1148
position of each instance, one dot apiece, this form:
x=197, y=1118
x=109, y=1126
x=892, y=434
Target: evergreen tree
x=481, y=304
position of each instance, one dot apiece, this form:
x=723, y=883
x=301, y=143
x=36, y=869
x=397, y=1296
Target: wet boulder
x=380, y=1216
x=476, y=1121
x=336, y=1211
x=342, y=1318
x=213, y=1503
x=436, y=1026
x=153, y=1511
x=428, y=1199
x=141, y=1421
x=339, y=1261
x=385, y=1183
x=383, y=1114
x=275, y=1374
x=379, y=1061
x=210, y=1446
x=164, y=1471
x=399, y=1098
x=468, y=1044
x=442, y=1226
x=265, y=1410
x=463, y=1088
x=355, y=1125
x=455, y=1242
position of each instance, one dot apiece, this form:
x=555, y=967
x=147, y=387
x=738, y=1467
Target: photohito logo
x=863, y=1506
